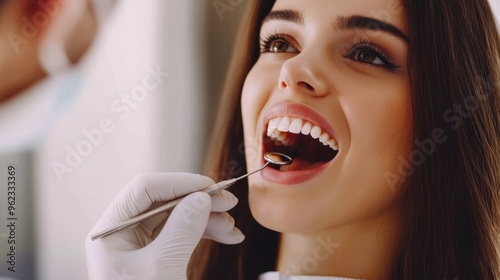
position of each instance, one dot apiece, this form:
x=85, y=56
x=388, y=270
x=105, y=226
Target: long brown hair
x=451, y=211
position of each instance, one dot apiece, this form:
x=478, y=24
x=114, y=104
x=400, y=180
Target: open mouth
x=302, y=140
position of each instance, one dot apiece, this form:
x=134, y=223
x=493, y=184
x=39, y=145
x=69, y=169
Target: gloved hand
x=154, y=249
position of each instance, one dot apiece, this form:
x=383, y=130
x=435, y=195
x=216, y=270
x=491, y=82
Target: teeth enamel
x=277, y=122
x=315, y=132
x=306, y=129
x=271, y=128
x=284, y=125
x=295, y=126
x=277, y=128
x=324, y=139
x=333, y=144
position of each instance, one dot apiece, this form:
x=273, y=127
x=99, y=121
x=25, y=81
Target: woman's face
x=331, y=89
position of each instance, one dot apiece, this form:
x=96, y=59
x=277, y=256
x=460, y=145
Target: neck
x=364, y=250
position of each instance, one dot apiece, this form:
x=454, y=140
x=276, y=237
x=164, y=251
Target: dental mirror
x=277, y=158
x=270, y=157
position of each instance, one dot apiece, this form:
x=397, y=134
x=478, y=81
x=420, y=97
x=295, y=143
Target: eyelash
x=379, y=52
x=266, y=42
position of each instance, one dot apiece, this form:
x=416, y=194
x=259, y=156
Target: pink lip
x=282, y=109
x=291, y=177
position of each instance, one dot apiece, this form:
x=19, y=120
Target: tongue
x=300, y=164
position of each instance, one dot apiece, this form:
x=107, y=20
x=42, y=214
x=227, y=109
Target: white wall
x=67, y=208
x=495, y=4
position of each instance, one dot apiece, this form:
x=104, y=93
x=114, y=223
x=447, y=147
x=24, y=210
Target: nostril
x=306, y=85
x=283, y=84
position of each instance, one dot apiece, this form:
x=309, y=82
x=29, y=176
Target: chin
x=285, y=210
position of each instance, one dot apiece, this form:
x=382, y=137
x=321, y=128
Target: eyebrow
x=286, y=15
x=353, y=22
x=357, y=22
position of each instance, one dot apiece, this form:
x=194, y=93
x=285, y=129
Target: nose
x=304, y=73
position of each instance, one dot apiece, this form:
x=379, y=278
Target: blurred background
x=141, y=98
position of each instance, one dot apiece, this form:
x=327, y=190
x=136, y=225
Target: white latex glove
x=154, y=249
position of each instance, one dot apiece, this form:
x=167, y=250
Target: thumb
x=182, y=231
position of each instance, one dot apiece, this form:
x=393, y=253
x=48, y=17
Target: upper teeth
x=295, y=126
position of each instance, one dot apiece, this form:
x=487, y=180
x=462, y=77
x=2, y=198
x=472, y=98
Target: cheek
x=380, y=131
x=253, y=99
x=250, y=98
x=378, y=113
x=256, y=92
x=380, y=124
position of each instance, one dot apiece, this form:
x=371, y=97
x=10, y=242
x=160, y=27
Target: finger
x=144, y=190
x=156, y=223
x=221, y=228
x=223, y=201
x=183, y=229
x=235, y=236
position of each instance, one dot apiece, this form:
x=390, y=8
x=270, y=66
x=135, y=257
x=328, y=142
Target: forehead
x=390, y=11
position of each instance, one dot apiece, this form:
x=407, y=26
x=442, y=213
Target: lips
x=303, y=134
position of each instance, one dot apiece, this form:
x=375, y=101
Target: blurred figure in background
x=44, y=36
x=39, y=38
x=40, y=41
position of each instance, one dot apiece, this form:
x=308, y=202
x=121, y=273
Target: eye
x=367, y=56
x=280, y=46
x=369, y=53
x=277, y=43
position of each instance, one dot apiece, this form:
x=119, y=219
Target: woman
x=405, y=97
